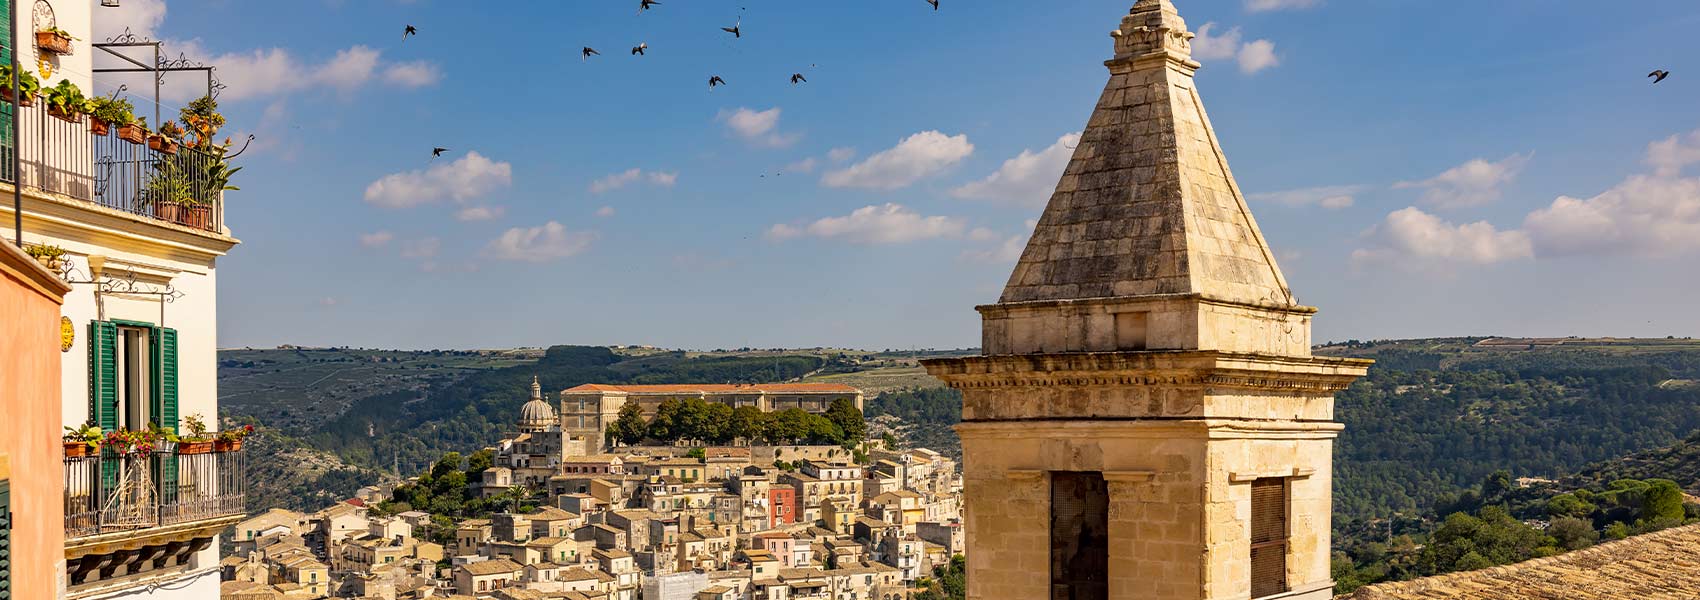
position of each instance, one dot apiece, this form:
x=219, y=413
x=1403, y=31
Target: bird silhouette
x=411, y=30
x=588, y=52
x=714, y=81
x=644, y=5
x=638, y=49
x=797, y=78
x=935, y=4
x=436, y=152
x=736, y=29
x=1659, y=75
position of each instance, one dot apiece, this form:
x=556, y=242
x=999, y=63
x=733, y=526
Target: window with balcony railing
x=111, y=492
x=180, y=185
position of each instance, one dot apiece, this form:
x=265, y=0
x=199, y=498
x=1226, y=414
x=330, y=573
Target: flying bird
x=644, y=5
x=1659, y=75
x=736, y=29
x=935, y=4
x=411, y=30
x=638, y=49
x=436, y=152
x=797, y=78
x=588, y=52
x=714, y=81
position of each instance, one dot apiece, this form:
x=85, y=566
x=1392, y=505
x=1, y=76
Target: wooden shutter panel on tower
x=1268, y=537
x=165, y=399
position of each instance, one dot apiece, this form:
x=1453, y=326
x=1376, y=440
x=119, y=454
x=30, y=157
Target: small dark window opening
x=1080, y=536
x=1268, y=536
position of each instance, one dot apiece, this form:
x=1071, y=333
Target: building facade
x=1147, y=418
x=141, y=230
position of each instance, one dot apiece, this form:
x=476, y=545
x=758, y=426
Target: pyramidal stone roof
x=1147, y=205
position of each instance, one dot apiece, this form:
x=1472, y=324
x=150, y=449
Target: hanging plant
x=54, y=40
x=82, y=441
x=106, y=113
x=26, y=81
x=50, y=256
x=66, y=102
x=165, y=142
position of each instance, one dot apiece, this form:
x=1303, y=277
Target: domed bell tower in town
x=1146, y=420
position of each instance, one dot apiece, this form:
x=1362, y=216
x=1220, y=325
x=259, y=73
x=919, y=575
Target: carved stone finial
x=1153, y=28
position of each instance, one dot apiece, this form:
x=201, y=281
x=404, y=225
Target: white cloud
x=421, y=248
x=605, y=212
x=140, y=17
x=412, y=74
x=1253, y=56
x=547, y=242
x=882, y=224
x=472, y=176
x=758, y=127
x=327, y=301
x=1257, y=55
x=376, y=238
x=1473, y=183
x=1006, y=252
x=917, y=156
x=1028, y=179
x=1645, y=215
x=1332, y=196
x=348, y=69
x=627, y=177
x=1411, y=236
x=981, y=234
x=480, y=213
x=841, y=154
x=1269, y=5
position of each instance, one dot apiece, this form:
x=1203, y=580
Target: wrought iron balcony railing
x=111, y=493
x=180, y=186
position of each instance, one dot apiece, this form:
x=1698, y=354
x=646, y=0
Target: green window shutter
x=6, y=108
x=5, y=540
x=165, y=401
x=103, y=375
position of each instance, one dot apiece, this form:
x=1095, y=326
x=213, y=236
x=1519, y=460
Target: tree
x=479, y=461
x=748, y=423
x=788, y=426
x=720, y=422
x=1662, y=502
x=844, y=414
x=1573, y=533
x=630, y=428
x=450, y=462
x=665, y=424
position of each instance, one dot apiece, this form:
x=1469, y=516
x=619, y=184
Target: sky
x=1420, y=168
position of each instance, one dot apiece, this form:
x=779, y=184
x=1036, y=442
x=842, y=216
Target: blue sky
x=1421, y=168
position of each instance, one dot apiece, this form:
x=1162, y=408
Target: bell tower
x=1146, y=420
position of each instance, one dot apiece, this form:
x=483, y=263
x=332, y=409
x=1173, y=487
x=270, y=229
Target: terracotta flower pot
x=167, y=211
x=133, y=134
x=227, y=445
x=162, y=144
x=187, y=447
x=68, y=117
x=76, y=449
x=27, y=101
x=99, y=127
x=197, y=216
x=53, y=42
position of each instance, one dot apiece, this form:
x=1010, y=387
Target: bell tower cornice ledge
x=1180, y=368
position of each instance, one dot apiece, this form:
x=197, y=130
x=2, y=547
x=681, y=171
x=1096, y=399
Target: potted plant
x=55, y=40
x=82, y=441
x=135, y=132
x=165, y=141
x=50, y=256
x=167, y=190
x=26, y=82
x=230, y=440
x=197, y=442
x=203, y=120
x=126, y=442
x=66, y=102
x=106, y=113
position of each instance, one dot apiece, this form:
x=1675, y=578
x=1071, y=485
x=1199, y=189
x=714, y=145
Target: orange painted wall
x=30, y=445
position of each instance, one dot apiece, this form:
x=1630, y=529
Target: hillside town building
x=588, y=410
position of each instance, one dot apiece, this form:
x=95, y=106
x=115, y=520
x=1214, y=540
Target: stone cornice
x=107, y=543
x=1031, y=305
x=63, y=216
x=1147, y=368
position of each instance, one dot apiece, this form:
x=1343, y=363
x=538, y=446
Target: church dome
x=536, y=414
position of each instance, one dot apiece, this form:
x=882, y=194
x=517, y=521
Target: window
x=1080, y=536
x=1268, y=536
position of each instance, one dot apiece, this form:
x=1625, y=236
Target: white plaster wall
x=74, y=16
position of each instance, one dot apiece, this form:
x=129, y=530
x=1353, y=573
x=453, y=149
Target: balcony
x=65, y=158
x=129, y=516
